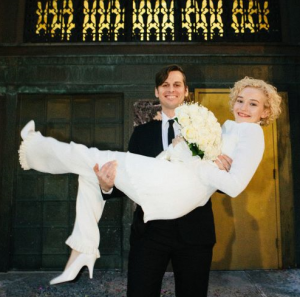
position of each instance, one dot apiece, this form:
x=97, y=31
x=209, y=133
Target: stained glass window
x=151, y=20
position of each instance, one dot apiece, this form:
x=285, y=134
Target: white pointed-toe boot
x=29, y=127
x=72, y=271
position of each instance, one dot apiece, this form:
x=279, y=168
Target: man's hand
x=106, y=175
x=224, y=162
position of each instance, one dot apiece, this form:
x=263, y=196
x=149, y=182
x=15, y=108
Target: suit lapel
x=157, y=137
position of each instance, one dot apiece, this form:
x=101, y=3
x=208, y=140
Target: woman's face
x=249, y=106
x=172, y=92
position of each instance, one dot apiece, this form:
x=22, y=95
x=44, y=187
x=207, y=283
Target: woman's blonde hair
x=273, y=98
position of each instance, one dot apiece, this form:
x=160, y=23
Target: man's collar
x=165, y=118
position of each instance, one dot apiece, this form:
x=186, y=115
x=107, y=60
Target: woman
x=253, y=103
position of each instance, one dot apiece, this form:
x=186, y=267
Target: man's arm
x=107, y=173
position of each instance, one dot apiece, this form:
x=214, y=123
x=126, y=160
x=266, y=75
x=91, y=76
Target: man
x=187, y=241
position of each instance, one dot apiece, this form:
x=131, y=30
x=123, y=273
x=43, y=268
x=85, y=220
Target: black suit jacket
x=197, y=227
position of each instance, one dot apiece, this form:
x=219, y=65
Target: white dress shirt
x=165, y=126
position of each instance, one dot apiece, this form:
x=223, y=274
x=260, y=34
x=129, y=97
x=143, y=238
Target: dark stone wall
x=3, y=224
x=290, y=11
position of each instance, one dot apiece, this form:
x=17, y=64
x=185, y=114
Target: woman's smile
x=243, y=115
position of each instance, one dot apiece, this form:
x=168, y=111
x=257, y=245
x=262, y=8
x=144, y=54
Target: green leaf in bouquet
x=195, y=150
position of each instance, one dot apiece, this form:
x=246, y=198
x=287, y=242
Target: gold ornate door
x=248, y=226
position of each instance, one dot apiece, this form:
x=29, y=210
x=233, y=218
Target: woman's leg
x=85, y=236
x=48, y=155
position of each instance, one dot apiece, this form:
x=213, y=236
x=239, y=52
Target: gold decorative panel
x=102, y=20
x=152, y=20
x=55, y=18
x=205, y=21
x=252, y=17
x=89, y=20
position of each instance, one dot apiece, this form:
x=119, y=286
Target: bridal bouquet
x=200, y=129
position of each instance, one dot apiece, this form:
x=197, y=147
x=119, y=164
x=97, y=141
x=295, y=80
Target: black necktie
x=171, y=133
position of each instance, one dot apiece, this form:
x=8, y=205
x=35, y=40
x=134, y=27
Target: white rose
x=181, y=109
x=203, y=113
x=190, y=134
x=202, y=141
x=194, y=110
x=183, y=119
x=198, y=122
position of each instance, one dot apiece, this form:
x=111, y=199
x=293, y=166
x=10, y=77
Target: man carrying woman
x=186, y=239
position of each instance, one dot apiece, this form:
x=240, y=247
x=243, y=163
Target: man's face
x=172, y=92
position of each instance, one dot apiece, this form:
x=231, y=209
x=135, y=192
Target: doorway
x=248, y=226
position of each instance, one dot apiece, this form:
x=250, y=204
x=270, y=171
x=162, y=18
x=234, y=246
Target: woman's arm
x=247, y=156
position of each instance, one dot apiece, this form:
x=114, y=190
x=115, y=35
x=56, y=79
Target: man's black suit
x=186, y=241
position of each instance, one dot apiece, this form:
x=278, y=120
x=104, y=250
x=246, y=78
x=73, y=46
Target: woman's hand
x=176, y=140
x=224, y=162
x=106, y=175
